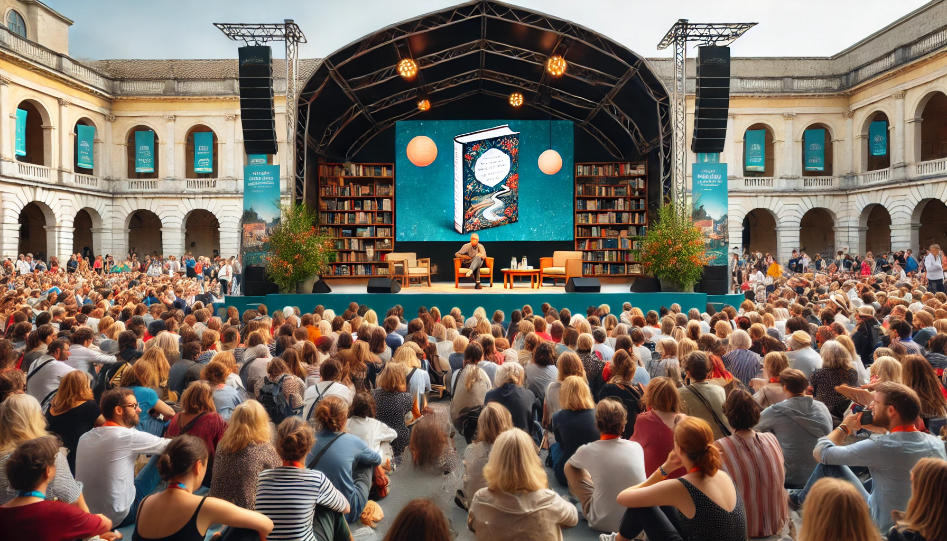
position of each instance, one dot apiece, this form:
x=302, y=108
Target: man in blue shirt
x=889, y=457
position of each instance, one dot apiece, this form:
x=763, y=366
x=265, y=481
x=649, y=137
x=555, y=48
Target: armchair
x=561, y=266
x=406, y=266
x=486, y=271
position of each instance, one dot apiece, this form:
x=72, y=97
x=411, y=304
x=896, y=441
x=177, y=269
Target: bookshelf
x=611, y=214
x=356, y=204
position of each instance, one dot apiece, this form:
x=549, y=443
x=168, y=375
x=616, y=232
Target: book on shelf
x=355, y=170
x=486, y=179
x=610, y=170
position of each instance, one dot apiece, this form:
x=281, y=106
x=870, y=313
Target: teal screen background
x=424, y=196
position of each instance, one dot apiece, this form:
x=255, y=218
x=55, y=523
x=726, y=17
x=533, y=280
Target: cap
x=866, y=310
x=802, y=338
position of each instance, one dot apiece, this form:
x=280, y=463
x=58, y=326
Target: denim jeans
x=837, y=472
x=145, y=483
x=936, y=285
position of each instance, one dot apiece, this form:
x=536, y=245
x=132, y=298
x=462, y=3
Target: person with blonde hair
x=142, y=379
x=886, y=369
x=568, y=364
x=494, y=420
x=246, y=448
x=73, y=412
x=768, y=389
x=837, y=512
x=668, y=364
x=924, y=519
x=703, y=504
x=573, y=425
x=863, y=375
x=517, y=504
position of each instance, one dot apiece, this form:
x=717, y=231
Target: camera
x=868, y=416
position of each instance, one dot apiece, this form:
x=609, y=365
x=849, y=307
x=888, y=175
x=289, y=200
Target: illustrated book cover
x=486, y=179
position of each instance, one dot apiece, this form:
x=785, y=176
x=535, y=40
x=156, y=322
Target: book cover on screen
x=486, y=179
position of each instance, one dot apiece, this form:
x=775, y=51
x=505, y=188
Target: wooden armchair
x=406, y=266
x=561, y=266
x=486, y=271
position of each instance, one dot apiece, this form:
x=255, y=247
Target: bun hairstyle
x=294, y=438
x=696, y=440
x=180, y=456
x=332, y=412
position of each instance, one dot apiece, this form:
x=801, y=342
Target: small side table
x=510, y=274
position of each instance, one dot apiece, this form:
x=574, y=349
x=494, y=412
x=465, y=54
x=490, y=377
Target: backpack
x=275, y=402
x=108, y=378
x=319, y=397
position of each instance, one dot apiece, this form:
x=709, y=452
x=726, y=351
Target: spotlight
x=424, y=105
x=516, y=99
x=407, y=68
x=556, y=65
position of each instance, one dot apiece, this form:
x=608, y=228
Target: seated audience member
x=106, y=456
x=12, y=382
x=468, y=392
x=600, y=470
x=520, y=402
x=801, y=355
x=591, y=362
x=494, y=420
x=199, y=418
x=798, y=421
x=330, y=385
x=21, y=419
x=568, y=365
x=393, y=404
x=362, y=423
x=703, y=504
x=73, y=412
x=420, y=520
x=345, y=459
x=246, y=448
x=29, y=470
x=701, y=398
x=889, y=457
x=621, y=387
x=740, y=361
x=836, y=510
x=302, y=502
x=654, y=429
x=44, y=374
x=601, y=347
x=517, y=504
x=226, y=398
x=929, y=493
x=768, y=389
x=176, y=512
x=573, y=425
x=836, y=370
x=667, y=363
x=761, y=485
x=142, y=379
x=542, y=371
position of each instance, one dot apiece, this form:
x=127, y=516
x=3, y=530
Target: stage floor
x=467, y=288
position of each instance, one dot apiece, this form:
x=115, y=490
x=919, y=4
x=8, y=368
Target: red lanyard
x=293, y=464
x=695, y=468
x=774, y=380
x=111, y=423
x=904, y=428
x=610, y=436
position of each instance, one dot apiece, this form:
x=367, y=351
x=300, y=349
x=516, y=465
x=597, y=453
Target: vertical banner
x=85, y=141
x=261, y=212
x=755, y=151
x=145, y=151
x=20, y=132
x=878, y=138
x=203, y=152
x=256, y=159
x=709, y=192
x=814, y=141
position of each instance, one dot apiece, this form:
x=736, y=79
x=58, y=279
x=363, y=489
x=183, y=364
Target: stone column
x=99, y=244
x=912, y=140
x=733, y=149
x=897, y=144
x=861, y=233
x=172, y=241
x=8, y=129
x=65, y=139
x=787, y=238
x=58, y=238
x=11, y=238
x=106, y=168
x=904, y=235
x=845, y=165
x=734, y=231
x=788, y=167
x=229, y=157
x=169, y=145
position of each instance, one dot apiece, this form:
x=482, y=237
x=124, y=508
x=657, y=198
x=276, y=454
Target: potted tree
x=673, y=249
x=299, y=250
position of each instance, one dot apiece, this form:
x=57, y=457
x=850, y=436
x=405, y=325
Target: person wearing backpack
x=42, y=379
x=281, y=393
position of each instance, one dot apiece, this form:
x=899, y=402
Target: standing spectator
x=73, y=412
x=654, y=429
x=199, y=418
x=934, y=265
x=573, y=425
x=836, y=510
x=702, y=398
x=246, y=448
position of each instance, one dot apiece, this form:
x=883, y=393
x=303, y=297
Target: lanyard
x=695, y=468
x=609, y=437
x=293, y=464
x=179, y=486
x=30, y=494
x=111, y=423
x=904, y=428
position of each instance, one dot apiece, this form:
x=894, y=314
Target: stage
x=444, y=296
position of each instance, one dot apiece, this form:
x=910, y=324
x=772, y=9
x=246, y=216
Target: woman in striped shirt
x=755, y=462
x=301, y=502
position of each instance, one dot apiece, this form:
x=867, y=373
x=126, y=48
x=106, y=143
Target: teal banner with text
x=20, y=132
x=145, y=151
x=814, y=141
x=878, y=138
x=203, y=152
x=85, y=145
x=709, y=192
x=261, y=211
x=256, y=159
x=755, y=146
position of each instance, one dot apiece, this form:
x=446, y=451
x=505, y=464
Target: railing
x=931, y=167
x=758, y=182
x=874, y=177
x=201, y=183
x=51, y=59
x=818, y=182
x=150, y=185
x=34, y=172
x=85, y=180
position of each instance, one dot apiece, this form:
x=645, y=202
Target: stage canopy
x=474, y=56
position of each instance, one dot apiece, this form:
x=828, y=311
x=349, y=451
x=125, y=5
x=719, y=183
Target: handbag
x=380, y=481
x=720, y=424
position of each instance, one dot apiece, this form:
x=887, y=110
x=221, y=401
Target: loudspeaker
x=646, y=284
x=258, y=289
x=583, y=285
x=713, y=99
x=321, y=287
x=383, y=285
x=254, y=274
x=257, y=113
x=714, y=280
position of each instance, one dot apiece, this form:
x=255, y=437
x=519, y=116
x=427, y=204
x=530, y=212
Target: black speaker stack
x=583, y=285
x=257, y=112
x=255, y=283
x=713, y=99
x=383, y=285
x=714, y=280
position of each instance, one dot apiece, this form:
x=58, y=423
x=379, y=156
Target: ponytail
x=709, y=461
x=695, y=439
x=180, y=456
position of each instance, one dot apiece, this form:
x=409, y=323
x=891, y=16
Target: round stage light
x=407, y=68
x=550, y=162
x=516, y=99
x=422, y=151
x=556, y=65
x=424, y=105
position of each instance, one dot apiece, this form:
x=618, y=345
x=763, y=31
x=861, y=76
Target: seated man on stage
x=473, y=255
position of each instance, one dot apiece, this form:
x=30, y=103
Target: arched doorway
x=34, y=238
x=36, y=140
x=144, y=234
x=82, y=240
x=878, y=236
x=75, y=148
x=934, y=128
x=829, y=153
x=189, y=147
x=759, y=231
x=130, y=154
x=769, y=155
x=202, y=234
x=933, y=223
x=817, y=233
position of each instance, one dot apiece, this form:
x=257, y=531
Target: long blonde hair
x=74, y=389
x=835, y=510
x=249, y=424
x=575, y=394
x=887, y=369
x=514, y=464
x=929, y=484
x=21, y=419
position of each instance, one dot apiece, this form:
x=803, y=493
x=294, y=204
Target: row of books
x=590, y=269
x=610, y=255
x=357, y=270
x=352, y=217
x=356, y=204
x=611, y=218
x=610, y=183
x=355, y=170
x=598, y=231
x=609, y=204
x=597, y=190
x=358, y=190
x=610, y=243
x=365, y=232
x=610, y=170
x=360, y=244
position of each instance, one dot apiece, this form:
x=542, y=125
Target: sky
x=111, y=29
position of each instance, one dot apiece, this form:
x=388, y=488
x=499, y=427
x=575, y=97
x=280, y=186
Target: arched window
x=189, y=148
x=877, y=144
x=130, y=154
x=16, y=24
x=934, y=128
x=753, y=150
x=814, y=169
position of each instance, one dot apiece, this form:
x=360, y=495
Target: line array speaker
x=257, y=113
x=383, y=285
x=713, y=99
x=583, y=285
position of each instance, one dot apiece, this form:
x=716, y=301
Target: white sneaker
x=607, y=536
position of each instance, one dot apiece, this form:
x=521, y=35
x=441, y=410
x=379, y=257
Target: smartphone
x=868, y=416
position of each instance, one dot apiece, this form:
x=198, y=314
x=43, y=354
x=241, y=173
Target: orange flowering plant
x=299, y=248
x=673, y=249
